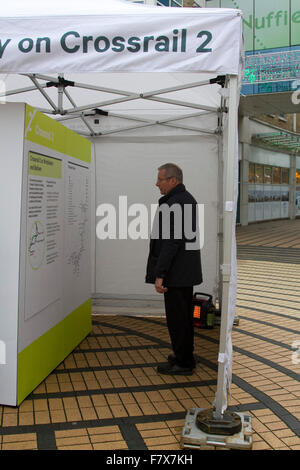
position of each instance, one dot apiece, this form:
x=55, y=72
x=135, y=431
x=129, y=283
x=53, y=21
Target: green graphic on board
x=39, y=358
x=42, y=130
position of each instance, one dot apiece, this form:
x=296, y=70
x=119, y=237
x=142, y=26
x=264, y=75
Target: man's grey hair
x=172, y=170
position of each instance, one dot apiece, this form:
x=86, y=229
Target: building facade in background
x=269, y=111
x=269, y=133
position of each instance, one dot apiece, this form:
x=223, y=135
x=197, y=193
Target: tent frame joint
x=223, y=109
x=220, y=80
x=60, y=83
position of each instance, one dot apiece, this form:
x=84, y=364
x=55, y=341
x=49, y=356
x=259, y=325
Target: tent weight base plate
x=193, y=438
x=236, y=320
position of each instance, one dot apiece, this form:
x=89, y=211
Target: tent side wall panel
x=127, y=168
x=11, y=167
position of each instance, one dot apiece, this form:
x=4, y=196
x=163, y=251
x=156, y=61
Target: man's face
x=165, y=184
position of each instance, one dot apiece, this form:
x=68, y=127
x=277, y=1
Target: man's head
x=169, y=176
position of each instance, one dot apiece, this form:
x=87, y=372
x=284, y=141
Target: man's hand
x=158, y=285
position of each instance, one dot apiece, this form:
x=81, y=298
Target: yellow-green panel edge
x=41, y=357
x=45, y=131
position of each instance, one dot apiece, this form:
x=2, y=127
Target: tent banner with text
x=205, y=40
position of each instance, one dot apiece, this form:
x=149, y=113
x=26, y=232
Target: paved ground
x=107, y=394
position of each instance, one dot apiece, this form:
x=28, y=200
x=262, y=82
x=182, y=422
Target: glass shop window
x=276, y=175
x=251, y=177
x=259, y=174
x=285, y=176
x=267, y=174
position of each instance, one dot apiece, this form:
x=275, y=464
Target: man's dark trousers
x=179, y=314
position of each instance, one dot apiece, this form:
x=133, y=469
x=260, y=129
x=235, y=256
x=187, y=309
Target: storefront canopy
x=282, y=140
x=117, y=36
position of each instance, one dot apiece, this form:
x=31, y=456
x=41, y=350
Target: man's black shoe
x=172, y=360
x=174, y=369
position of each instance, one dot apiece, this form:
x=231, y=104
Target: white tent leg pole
x=228, y=214
x=219, y=260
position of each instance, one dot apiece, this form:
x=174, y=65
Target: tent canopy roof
x=117, y=36
x=32, y=8
x=59, y=41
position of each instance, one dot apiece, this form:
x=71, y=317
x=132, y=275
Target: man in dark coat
x=174, y=265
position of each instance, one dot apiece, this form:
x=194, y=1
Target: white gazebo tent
x=196, y=56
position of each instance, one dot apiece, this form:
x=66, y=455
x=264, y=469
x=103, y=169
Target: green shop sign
x=268, y=24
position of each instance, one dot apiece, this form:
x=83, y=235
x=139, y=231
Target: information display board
x=47, y=187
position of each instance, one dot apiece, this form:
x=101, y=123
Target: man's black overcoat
x=170, y=257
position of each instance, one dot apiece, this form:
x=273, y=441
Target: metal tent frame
x=44, y=82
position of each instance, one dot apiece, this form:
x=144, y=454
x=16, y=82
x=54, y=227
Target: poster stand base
x=236, y=320
x=193, y=437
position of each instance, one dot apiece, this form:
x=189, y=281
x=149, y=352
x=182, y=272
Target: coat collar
x=179, y=188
